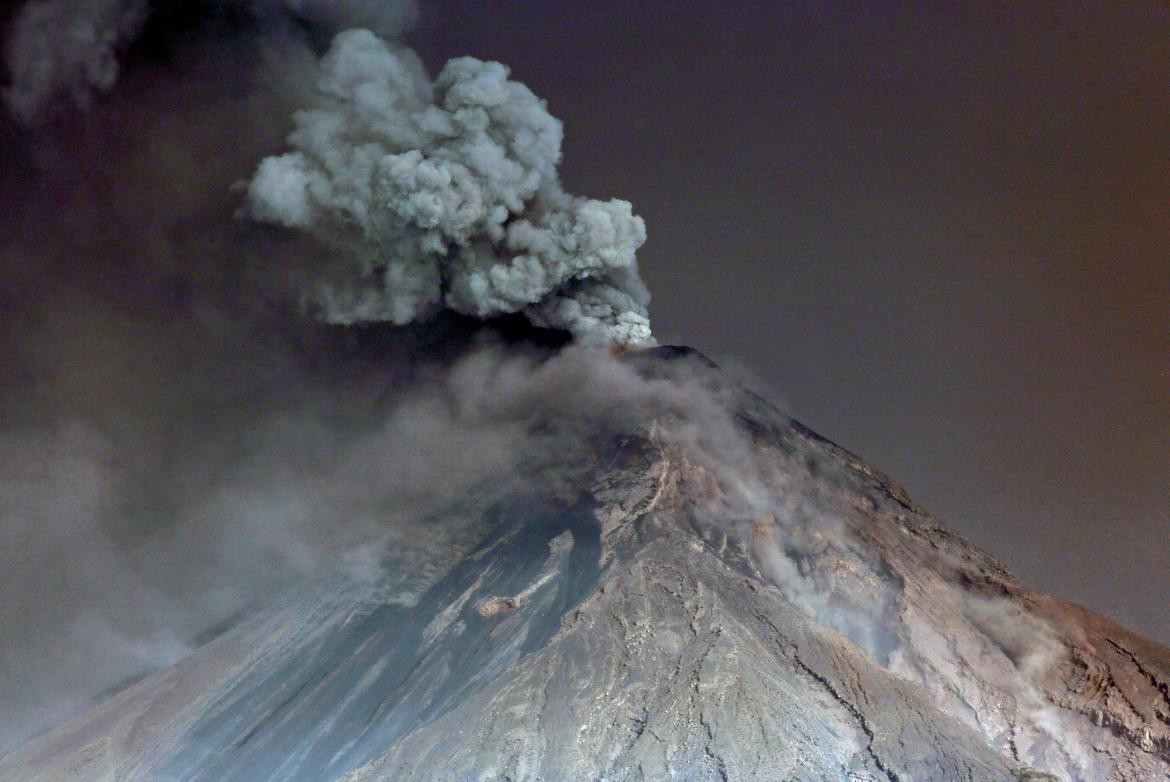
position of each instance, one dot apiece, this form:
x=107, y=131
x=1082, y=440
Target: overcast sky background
x=939, y=236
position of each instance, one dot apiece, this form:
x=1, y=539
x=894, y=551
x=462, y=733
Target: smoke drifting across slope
x=176, y=442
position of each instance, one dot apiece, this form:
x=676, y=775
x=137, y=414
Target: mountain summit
x=660, y=601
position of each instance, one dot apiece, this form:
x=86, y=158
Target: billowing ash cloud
x=66, y=49
x=445, y=195
x=173, y=446
x=433, y=196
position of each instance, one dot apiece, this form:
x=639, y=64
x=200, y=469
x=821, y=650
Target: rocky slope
x=759, y=606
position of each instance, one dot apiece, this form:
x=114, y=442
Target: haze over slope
x=179, y=434
x=674, y=580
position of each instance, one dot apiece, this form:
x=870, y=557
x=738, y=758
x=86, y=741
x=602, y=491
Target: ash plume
x=433, y=196
x=446, y=195
x=176, y=443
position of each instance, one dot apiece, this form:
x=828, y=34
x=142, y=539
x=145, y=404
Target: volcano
x=607, y=614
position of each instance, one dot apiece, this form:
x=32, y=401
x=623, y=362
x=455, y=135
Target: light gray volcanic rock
x=618, y=617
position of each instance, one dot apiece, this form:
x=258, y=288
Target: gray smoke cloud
x=64, y=50
x=433, y=196
x=158, y=404
x=176, y=444
x=445, y=195
x=60, y=52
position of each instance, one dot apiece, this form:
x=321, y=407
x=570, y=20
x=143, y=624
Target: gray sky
x=938, y=235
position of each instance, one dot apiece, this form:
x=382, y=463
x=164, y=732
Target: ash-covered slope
x=663, y=602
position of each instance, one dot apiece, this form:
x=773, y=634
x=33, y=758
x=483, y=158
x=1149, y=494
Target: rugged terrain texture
x=644, y=611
